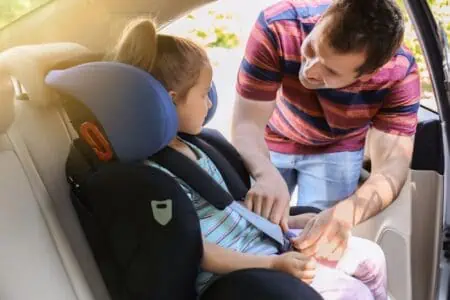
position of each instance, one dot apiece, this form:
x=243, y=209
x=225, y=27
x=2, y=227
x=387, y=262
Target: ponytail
x=174, y=61
x=138, y=45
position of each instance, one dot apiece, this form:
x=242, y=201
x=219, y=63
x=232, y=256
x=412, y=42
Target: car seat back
x=141, y=225
x=40, y=139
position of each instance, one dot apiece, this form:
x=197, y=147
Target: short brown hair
x=373, y=26
x=174, y=61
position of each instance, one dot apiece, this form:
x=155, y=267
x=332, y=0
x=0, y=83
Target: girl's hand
x=296, y=264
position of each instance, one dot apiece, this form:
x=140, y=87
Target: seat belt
x=270, y=229
x=237, y=188
x=211, y=191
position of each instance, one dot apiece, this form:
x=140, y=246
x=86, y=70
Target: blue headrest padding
x=213, y=97
x=134, y=109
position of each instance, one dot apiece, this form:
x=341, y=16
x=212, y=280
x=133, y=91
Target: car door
x=412, y=229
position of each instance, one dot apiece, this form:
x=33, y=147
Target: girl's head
x=179, y=64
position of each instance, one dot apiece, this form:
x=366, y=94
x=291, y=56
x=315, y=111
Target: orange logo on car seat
x=93, y=136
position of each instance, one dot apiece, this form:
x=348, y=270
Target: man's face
x=322, y=67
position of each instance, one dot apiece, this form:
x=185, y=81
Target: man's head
x=353, y=40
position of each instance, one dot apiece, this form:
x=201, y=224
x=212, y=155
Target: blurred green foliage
x=441, y=12
x=218, y=35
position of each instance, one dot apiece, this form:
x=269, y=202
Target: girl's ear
x=173, y=95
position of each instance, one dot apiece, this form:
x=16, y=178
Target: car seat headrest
x=212, y=94
x=30, y=64
x=135, y=111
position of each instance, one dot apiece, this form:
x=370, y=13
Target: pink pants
x=359, y=275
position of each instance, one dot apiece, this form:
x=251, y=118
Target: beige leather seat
x=43, y=252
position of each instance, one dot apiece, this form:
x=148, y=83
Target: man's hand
x=325, y=236
x=269, y=197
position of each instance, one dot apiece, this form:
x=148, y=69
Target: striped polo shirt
x=325, y=120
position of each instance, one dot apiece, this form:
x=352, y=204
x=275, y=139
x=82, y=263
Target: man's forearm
x=249, y=121
x=254, y=152
x=381, y=188
x=220, y=260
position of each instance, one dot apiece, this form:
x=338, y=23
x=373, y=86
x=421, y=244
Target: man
x=315, y=77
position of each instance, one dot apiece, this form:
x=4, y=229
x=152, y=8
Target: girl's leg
x=333, y=284
x=365, y=261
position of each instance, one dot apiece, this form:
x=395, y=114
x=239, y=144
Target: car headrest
x=135, y=111
x=30, y=64
x=212, y=94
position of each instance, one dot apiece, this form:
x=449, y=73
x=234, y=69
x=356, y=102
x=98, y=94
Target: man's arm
x=258, y=81
x=326, y=235
x=390, y=156
x=390, y=148
x=247, y=131
x=269, y=196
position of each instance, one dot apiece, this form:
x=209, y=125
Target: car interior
x=44, y=253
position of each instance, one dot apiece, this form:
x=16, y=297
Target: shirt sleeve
x=398, y=115
x=259, y=76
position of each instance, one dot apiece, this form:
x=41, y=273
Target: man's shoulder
x=305, y=11
x=400, y=66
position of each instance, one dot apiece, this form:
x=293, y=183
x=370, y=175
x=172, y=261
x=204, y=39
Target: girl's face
x=193, y=108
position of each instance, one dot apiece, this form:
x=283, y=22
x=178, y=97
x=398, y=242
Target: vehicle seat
x=44, y=253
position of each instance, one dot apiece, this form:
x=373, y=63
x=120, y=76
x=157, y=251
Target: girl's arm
x=220, y=260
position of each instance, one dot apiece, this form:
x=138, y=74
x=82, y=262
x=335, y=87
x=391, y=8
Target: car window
x=11, y=10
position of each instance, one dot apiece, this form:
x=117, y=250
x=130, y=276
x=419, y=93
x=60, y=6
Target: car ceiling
x=93, y=23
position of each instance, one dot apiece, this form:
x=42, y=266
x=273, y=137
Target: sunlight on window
x=11, y=10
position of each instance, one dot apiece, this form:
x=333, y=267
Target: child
x=230, y=242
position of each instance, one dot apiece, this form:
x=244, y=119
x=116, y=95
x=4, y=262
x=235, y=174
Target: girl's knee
x=346, y=288
x=374, y=254
x=364, y=259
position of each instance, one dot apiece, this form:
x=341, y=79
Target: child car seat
x=140, y=224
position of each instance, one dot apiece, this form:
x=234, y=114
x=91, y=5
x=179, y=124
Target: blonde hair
x=174, y=61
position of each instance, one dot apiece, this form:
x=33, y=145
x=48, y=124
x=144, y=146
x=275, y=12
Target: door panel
x=408, y=230
x=427, y=197
x=391, y=229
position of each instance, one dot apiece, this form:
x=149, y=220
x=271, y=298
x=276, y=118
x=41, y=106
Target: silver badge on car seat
x=162, y=211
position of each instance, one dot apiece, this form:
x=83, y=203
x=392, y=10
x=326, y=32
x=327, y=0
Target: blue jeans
x=322, y=179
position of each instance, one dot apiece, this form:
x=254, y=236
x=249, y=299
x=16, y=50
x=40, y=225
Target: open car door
x=413, y=230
